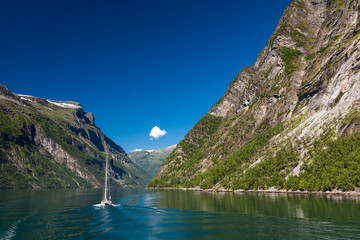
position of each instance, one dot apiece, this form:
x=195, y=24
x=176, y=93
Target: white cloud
x=156, y=132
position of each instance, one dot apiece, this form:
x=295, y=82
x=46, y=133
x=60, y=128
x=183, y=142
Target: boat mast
x=106, y=173
x=109, y=195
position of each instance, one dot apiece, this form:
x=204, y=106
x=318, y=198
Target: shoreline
x=271, y=190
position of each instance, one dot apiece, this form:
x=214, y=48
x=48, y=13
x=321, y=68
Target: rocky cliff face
x=150, y=160
x=283, y=120
x=54, y=144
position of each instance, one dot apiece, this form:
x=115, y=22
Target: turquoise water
x=142, y=214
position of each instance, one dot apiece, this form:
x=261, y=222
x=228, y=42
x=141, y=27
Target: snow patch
x=154, y=150
x=137, y=150
x=65, y=104
x=140, y=150
x=26, y=96
x=26, y=99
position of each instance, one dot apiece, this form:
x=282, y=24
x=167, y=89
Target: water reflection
x=326, y=207
x=141, y=214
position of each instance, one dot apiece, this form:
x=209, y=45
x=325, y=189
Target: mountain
x=292, y=120
x=150, y=160
x=56, y=144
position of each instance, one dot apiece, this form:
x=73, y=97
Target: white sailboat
x=107, y=198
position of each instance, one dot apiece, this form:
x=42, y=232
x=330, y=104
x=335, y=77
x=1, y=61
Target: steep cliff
x=150, y=160
x=290, y=121
x=54, y=144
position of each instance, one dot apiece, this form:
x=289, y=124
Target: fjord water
x=147, y=214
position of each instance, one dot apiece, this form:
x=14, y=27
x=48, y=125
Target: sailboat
x=107, y=198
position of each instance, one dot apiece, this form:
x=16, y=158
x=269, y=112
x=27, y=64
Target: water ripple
x=140, y=214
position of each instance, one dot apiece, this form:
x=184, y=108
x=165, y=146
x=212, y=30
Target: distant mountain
x=150, y=160
x=292, y=120
x=56, y=144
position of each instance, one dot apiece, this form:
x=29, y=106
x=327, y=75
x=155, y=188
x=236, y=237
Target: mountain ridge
x=56, y=144
x=150, y=160
x=153, y=150
x=282, y=121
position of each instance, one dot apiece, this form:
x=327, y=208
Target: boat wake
x=11, y=233
x=105, y=205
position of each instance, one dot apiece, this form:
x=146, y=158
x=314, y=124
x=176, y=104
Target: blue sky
x=135, y=64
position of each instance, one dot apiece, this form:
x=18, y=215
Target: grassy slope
x=333, y=162
x=22, y=165
x=241, y=153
